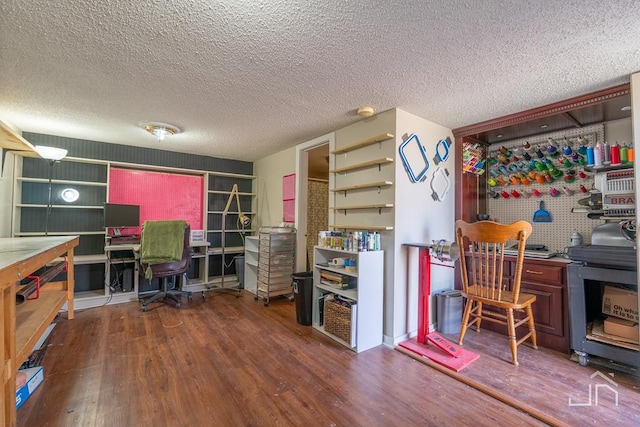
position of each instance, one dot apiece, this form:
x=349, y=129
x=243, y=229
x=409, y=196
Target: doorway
x=312, y=196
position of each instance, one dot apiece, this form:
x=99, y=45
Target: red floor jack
x=431, y=344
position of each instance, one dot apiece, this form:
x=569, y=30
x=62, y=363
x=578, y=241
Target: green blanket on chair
x=161, y=242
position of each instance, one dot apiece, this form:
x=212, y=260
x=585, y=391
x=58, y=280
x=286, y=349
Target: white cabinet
x=251, y=263
x=365, y=290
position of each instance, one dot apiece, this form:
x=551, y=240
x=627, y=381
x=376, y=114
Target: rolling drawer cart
x=276, y=261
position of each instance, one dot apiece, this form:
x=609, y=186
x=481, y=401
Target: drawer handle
x=533, y=272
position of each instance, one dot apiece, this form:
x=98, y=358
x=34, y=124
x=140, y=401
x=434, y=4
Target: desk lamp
x=52, y=155
x=243, y=221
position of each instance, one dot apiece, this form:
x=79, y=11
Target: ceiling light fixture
x=366, y=111
x=544, y=126
x=160, y=130
x=626, y=108
x=499, y=135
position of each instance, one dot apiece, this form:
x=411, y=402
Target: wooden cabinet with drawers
x=546, y=279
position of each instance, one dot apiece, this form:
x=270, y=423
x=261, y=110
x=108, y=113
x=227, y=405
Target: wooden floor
x=228, y=361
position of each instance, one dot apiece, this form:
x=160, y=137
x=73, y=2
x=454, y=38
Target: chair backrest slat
x=486, y=241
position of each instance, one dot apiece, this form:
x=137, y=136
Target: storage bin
x=449, y=311
x=337, y=320
x=239, y=259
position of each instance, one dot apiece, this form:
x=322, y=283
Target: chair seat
x=507, y=296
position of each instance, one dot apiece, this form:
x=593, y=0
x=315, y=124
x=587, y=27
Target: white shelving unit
x=91, y=178
x=251, y=263
x=367, y=294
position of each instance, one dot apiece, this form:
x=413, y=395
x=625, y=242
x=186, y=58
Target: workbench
x=22, y=325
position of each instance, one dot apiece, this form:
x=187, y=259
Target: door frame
x=302, y=175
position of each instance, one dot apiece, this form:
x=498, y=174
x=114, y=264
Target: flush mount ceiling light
x=366, y=111
x=626, y=108
x=160, y=130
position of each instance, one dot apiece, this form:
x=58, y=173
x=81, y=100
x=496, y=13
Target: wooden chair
x=483, y=274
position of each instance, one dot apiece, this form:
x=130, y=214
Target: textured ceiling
x=244, y=79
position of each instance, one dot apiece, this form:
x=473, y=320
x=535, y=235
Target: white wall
x=270, y=171
x=618, y=131
x=418, y=219
x=416, y=216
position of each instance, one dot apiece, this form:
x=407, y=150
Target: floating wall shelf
x=377, y=206
x=364, y=165
x=363, y=143
x=362, y=227
x=361, y=186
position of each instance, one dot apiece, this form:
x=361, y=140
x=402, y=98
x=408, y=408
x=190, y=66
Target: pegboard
x=556, y=234
x=161, y=196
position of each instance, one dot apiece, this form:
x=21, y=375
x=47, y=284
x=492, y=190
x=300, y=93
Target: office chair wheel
x=178, y=305
x=144, y=307
x=255, y=297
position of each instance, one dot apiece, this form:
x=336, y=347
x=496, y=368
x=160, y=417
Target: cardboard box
x=35, y=376
x=622, y=303
x=622, y=328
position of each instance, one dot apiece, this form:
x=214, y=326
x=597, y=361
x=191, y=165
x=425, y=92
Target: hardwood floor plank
x=228, y=361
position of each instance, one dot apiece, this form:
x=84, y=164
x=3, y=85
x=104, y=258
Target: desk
x=22, y=326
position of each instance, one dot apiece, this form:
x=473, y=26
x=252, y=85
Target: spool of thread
x=590, y=156
x=526, y=155
x=624, y=150
x=597, y=155
x=615, y=154
x=630, y=155
x=606, y=153
x=567, y=150
x=539, y=153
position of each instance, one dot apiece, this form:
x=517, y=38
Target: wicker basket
x=337, y=320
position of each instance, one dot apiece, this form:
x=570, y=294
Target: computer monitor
x=119, y=216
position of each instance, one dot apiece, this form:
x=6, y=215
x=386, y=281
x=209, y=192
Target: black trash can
x=302, y=291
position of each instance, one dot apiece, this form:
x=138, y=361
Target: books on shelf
x=336, y=280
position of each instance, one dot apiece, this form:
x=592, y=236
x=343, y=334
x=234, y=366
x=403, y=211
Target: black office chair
x=165, y=271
